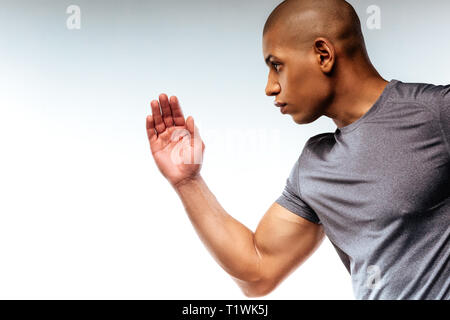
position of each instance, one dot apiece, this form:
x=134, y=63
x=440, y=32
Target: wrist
x=186, y=182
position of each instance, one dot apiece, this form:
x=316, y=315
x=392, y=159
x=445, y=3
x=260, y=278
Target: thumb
x=190, y=126
x=196, y=143
x=193, y=130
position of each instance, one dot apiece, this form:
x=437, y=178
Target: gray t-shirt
x=380, y=188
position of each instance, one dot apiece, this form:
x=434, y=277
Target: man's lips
x=281, y=105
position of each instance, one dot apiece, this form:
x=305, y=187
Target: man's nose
x=272, y=88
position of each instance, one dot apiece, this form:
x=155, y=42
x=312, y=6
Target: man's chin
x=299, y=118
x=302, y=119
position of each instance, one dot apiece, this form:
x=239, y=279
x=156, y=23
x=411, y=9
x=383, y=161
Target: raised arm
x=258, y=261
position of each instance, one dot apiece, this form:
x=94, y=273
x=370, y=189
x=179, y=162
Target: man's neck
x=354, y=97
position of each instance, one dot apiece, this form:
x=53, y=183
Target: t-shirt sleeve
x=290, y=197
x=445, y=115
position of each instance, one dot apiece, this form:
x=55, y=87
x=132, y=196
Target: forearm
x=229, y=241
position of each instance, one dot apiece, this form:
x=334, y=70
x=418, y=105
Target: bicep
x=283, y=241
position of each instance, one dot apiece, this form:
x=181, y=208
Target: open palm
x=175, y=142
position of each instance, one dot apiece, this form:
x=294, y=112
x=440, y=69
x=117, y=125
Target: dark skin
x=318, y=66
x=319, y=77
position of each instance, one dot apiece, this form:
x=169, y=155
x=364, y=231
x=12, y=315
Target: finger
x=193, y=130
x=177, y=113
x=157, y=118
x=190, y=125
x=150, y=124
x=166, y=111
x=196, y=142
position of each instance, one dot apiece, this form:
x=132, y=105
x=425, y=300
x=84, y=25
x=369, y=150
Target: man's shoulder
x=420, y=93
x=317, y=139
x=316, y=142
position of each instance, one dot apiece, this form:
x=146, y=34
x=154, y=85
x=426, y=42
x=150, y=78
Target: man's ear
x=325, y=53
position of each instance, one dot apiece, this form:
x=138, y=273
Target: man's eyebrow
x=268, y=59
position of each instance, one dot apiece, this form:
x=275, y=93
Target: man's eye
x=275, y=65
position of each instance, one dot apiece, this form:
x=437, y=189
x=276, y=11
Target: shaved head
x=318, y=62
x=297, y=23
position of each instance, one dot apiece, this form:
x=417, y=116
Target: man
x=378, y=186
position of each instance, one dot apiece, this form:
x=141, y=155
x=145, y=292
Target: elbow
x=256, y=293
x=257, y=289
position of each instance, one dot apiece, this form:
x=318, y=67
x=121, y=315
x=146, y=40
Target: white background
x=84, y=212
